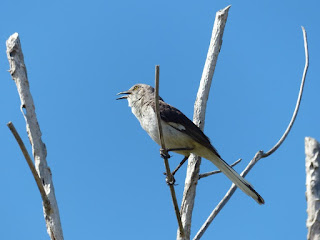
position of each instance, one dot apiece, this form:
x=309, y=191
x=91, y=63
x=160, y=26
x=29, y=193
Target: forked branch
x=260, y=154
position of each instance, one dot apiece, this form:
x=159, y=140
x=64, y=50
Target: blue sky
x=106, y=171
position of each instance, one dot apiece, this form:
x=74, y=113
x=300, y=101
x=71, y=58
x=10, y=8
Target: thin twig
x=180, y=165
x=298, y=101
x=164, y=154
x=259, y=154
x=31, y=166
x=217, y=171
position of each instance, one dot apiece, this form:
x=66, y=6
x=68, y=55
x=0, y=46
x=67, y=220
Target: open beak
x=123, y=97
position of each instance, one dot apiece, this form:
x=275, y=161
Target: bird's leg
x=183, y=160
x=179, y=149
x=180, y=165
x=164, y=153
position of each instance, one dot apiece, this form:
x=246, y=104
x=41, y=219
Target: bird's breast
x=173, y=136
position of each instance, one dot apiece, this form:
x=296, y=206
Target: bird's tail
x=239, y=181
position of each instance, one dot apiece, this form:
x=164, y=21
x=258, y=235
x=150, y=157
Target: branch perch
x=19, y=75
x=164, y=154
x=260, y=154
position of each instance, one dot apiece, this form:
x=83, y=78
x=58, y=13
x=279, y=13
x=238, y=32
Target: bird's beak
x=123, y=97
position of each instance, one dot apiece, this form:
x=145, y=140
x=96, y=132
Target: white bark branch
x=260, y=154
x=312, y=150
x=272, y=150
x=199, y=119
x=19, y=75
x=226, y=198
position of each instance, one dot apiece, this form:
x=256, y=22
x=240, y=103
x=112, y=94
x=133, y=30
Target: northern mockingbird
x=179, y=132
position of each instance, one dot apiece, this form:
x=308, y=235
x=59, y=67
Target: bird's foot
x=164, y=154
x=170, y=180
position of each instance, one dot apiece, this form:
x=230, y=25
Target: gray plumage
x=179, y=132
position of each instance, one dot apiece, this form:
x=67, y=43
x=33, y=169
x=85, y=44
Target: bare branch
x=19, y=75
x=259, y=154
x=217, y=171
x=272, y=150
x=193, y=169
x=26, y=155
x=164, y=154
x=226, y=198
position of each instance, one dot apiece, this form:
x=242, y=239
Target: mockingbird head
x=136, y=92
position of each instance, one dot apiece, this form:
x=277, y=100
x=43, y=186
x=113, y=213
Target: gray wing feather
x=169, y=114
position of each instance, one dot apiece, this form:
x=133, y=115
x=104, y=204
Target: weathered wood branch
x=46, y=202
x=260, y=154
x=199, y=119
x=19, y=75
x=312, y=150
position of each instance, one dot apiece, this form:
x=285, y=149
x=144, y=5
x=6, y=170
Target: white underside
x=173, y=138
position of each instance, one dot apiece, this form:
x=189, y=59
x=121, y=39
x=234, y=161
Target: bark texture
x=19, y=75
x=199, y=119
x=312, y=150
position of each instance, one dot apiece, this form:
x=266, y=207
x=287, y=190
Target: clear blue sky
x=107, y=172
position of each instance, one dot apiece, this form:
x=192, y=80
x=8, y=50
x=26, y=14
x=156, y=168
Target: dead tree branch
x=272, y=150
x=19, y=75
x=46, y=202
x=312, y=150
x=260, y=154
x=193, y=169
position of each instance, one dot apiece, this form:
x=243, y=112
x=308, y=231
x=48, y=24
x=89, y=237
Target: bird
x=179, y=132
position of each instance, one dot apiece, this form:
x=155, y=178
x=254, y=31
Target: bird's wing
x=180, y=122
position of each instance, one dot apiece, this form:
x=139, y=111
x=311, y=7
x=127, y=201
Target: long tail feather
x=239, y=181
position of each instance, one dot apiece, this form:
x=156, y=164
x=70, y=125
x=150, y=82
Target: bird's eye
x=135, y=88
